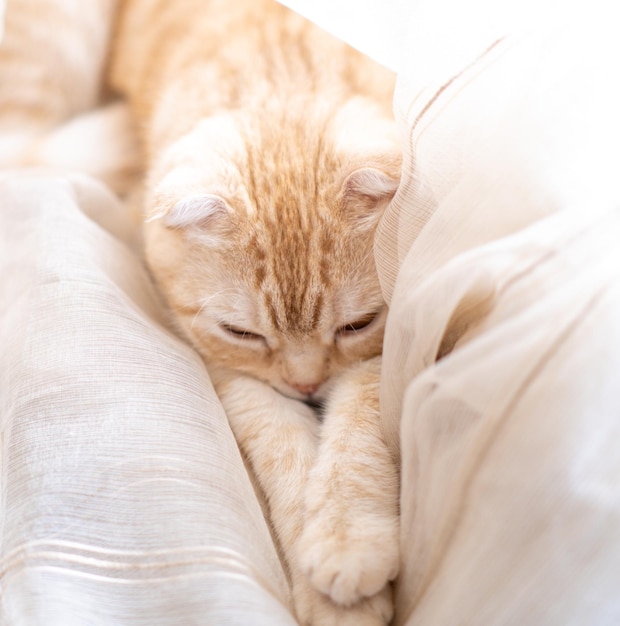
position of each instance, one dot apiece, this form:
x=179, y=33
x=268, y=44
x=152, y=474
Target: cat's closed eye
x=241, y=333
x=358, y=324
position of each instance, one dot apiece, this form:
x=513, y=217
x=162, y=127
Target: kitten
x=270, y=154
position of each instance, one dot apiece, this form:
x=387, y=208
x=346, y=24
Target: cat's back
x=226, y=54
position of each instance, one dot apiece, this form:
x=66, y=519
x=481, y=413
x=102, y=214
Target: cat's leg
x=350, y=544
x=279, y=438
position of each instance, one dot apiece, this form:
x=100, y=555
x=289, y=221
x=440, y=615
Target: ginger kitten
x=270, y=155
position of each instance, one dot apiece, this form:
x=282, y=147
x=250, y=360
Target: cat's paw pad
x=315, y=609
x=349, y=563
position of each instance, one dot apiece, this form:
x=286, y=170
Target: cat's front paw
x=349, y=559
x=316, y=609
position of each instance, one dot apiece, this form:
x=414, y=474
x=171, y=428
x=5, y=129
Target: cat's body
x=270, y=154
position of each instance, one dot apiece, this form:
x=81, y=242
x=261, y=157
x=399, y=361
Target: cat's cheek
x=254, y=361
x=352, y=351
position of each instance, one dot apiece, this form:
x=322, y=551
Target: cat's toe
x=349, y=564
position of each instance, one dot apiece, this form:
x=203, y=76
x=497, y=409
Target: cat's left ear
x=366, y=192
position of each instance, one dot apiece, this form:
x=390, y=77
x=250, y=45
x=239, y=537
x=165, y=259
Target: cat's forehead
x=298, y=273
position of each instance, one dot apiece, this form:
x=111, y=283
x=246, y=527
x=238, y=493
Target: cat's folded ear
x=196, y=177
x=192, y=211
x=370, y=182
x=204, y=216
x=366, y=192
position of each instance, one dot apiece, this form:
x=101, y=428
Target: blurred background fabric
x=124, y=499
x=2, y=12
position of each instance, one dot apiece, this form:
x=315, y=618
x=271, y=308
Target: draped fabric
x=499, y=257
x=123, y=496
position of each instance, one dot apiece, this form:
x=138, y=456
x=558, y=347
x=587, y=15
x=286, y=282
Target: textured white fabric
x=499, y=256
x=510, y=473
x=124, y=497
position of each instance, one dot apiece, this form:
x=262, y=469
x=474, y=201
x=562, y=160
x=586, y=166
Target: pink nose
x=306, y=389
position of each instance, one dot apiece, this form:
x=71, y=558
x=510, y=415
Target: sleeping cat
x=270, y=154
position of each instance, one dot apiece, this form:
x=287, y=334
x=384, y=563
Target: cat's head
x=262, y=242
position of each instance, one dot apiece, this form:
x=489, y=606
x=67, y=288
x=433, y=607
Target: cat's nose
x=305, y=388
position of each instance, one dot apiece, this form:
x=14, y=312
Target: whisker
x=362, y=261
x=204, y=302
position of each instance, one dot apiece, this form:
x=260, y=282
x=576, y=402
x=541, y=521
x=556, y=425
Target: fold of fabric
x=499, y=259
x=124, y=497
x=510, y=477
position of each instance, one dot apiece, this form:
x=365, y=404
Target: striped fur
x=269, y=153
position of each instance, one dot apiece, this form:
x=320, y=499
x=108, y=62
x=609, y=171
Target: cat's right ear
x=204, y=218
x=199, y=210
